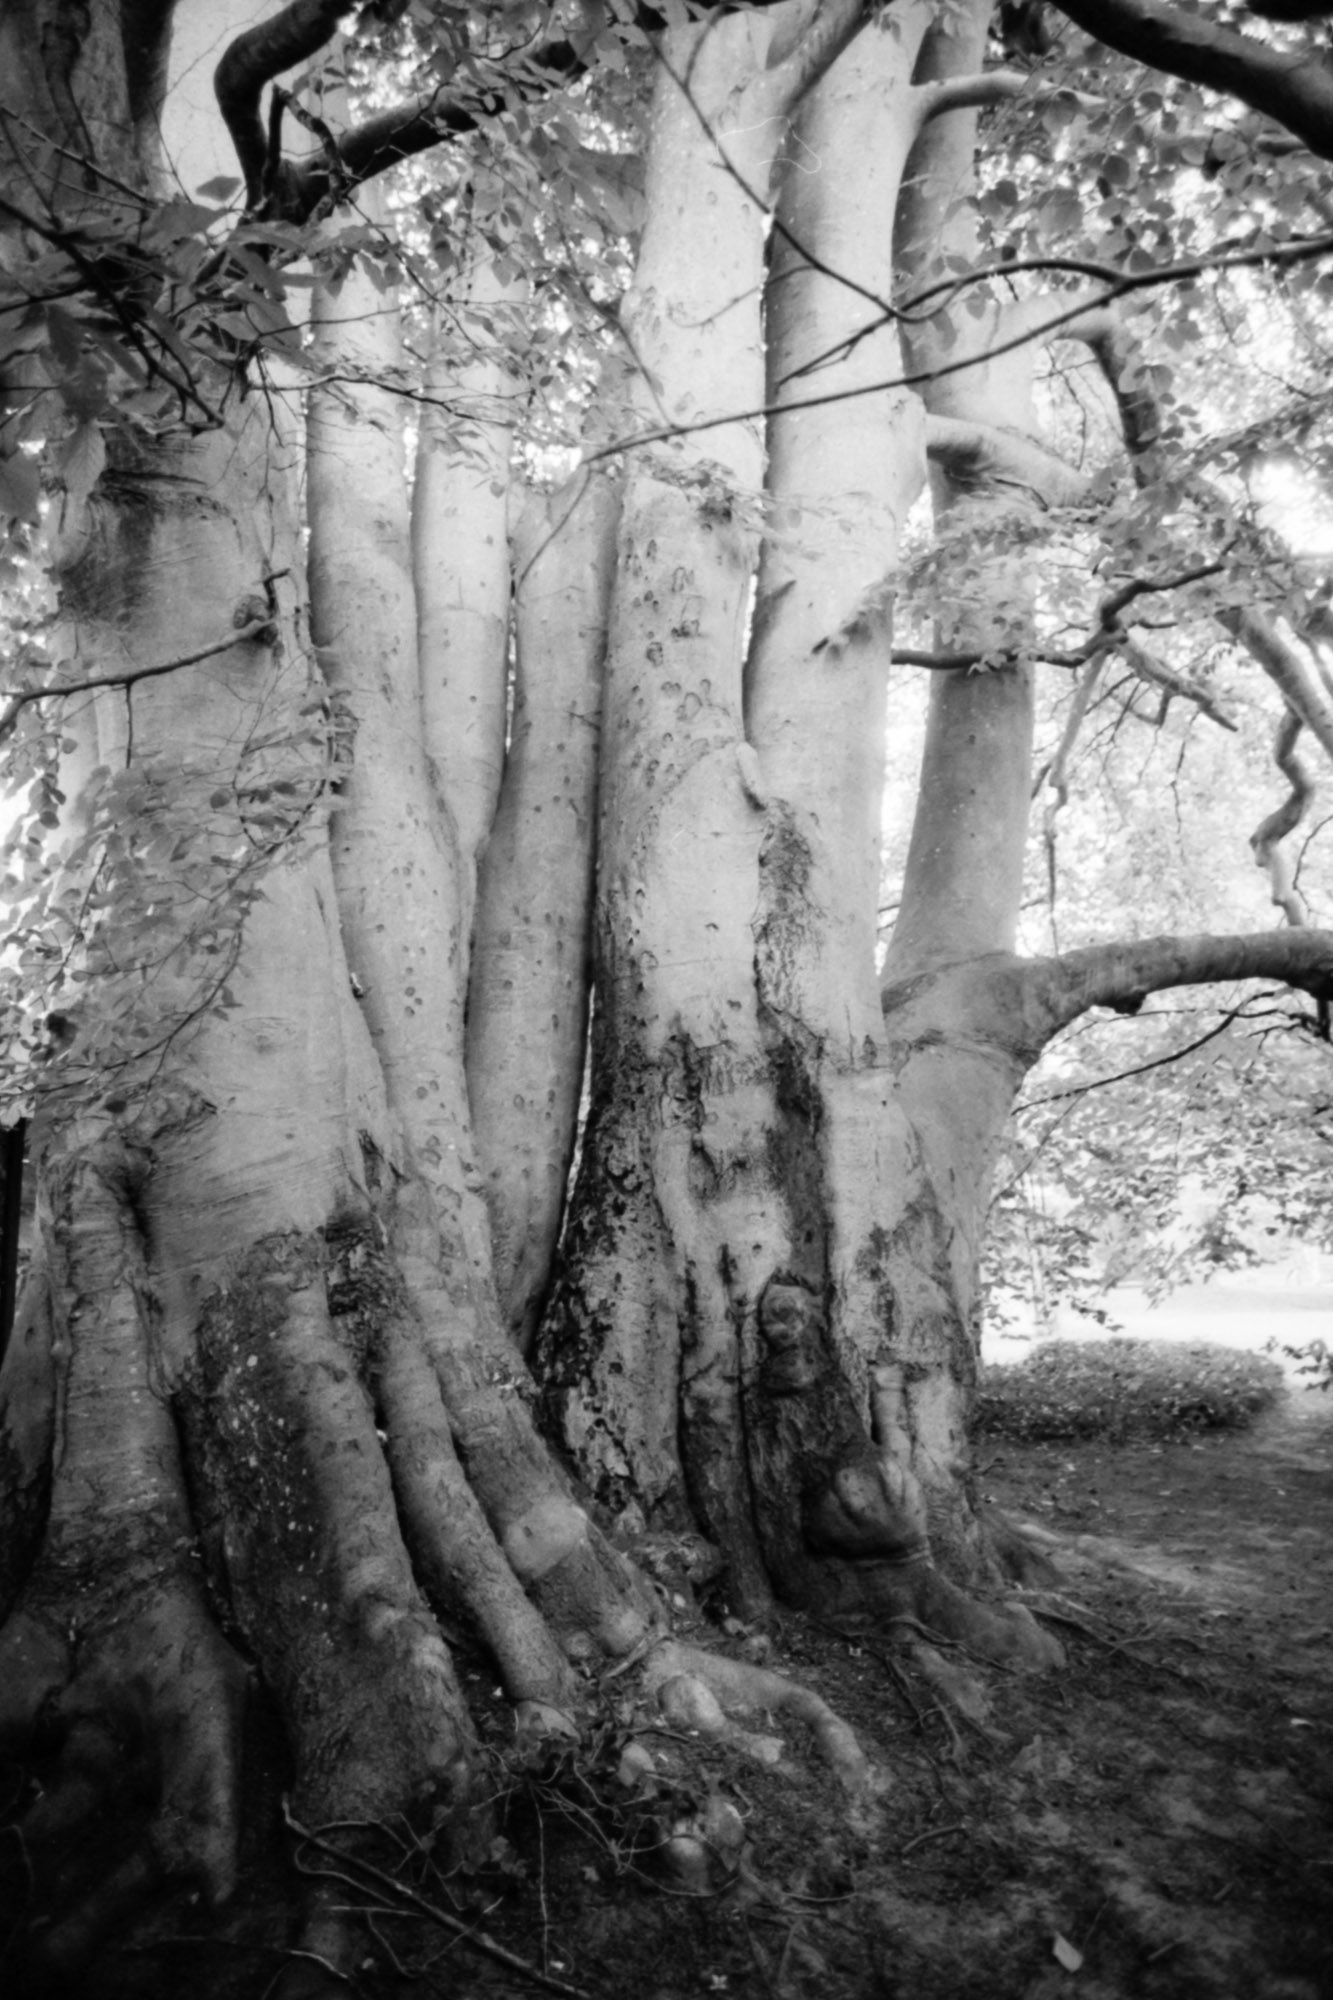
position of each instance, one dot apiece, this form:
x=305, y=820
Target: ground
x=1154, y=1821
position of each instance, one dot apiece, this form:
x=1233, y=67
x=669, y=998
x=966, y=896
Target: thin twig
x=931, y=1833
x=481, y=1941
x=1123, y=287
x=17, y=699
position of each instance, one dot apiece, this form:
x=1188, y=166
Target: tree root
x=1003, y=1635
x=112, y=1667
x=144, y=1740
x=700, y=1690
x=27, y=1433
x=303, y=1511
x=1018, y=1553
x=702, y=1854
x=331, y=1477
x=460, y=1560
x=586, y=1593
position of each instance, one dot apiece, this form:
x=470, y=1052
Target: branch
x=17, y=699
x=96, y=270
x=961, y=663
x=1110, y=608
x=964, y=93
x=1228, y=1020
x=1295, y=89
x=379, y=143
x=448, y=111
x=1268, y=837
x=1122, y=975
x=1149, y=668
x=299, y=32
x=254, y=59
x=1288, y=669
x=1111, y=636
x=349, y=1866
x=1122, y=286
x=977, y=452
x=1114, y=348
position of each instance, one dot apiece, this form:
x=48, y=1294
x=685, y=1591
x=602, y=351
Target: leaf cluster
x=125, y=915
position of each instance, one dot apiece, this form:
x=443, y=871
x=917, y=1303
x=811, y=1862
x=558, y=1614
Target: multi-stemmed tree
x=346, y=807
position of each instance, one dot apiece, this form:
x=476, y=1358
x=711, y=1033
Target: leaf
x=178, y=219
x=82, y=457
x=1069, y=1955
x=221, y=188
x=20, y=488
x=65, y=335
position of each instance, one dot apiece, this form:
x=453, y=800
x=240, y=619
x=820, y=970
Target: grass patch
x=1124, y=1390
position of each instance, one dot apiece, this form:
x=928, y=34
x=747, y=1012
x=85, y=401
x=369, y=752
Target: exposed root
x=586, y=1593
x=702, y=1853
x=320, y=1965
x=459, y=1558
x=113, y=1656
x=1004, y=1635
x=27, y=1432
x=347, y=1472
x=688, y=1703
x=684, y=1678
x=310, y=1553
x=958, y=1691
x=140, y=1751
x=1017, y=1552
x=857, y=1546
x=113, y=1671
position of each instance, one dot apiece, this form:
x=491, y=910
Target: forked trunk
x=755, y=1331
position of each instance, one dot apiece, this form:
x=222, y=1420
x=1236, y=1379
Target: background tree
x=301, y=970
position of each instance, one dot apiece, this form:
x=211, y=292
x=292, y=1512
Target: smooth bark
x=531, y=977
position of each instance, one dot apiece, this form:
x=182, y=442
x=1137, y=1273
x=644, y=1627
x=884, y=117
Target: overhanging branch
x=1124, y=285
x=1122, y=975
x=299, y=32
x=1294, y=88
x=254, y=59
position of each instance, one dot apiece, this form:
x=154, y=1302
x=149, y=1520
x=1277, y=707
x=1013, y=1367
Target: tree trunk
x=262, y=1322
x=728, y=1274
x=460, y=547
x=531, y=978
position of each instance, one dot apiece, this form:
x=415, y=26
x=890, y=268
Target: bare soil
x=1153, y=1821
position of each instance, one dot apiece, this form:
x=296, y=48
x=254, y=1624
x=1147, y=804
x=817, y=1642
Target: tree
x=304, y=970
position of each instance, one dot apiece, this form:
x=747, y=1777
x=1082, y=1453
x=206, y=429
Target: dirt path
x=1202, y=1797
